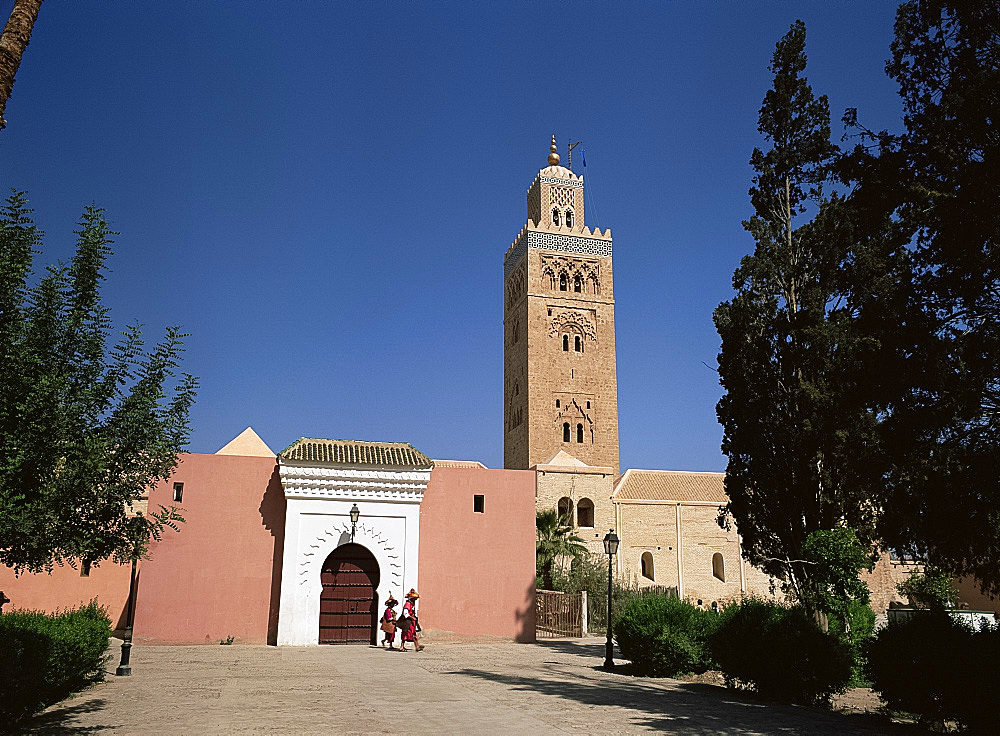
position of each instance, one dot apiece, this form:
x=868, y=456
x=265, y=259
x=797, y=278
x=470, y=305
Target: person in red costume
x=409, y=622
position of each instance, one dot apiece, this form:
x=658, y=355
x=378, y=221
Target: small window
x=579, y=433
x=557, y=403
x=85, y=569
x=556, y=218
x=646, y=565
x=577, y=344
x=577, y=284
x=718, y=567
x=565, y=510
x=563, y=281
x=569, y=218
x=550, y=312
x=478, y=503
x=585, y=513
x=565, y=431
x=566, y=343
x=588, y=404
x=178, y=492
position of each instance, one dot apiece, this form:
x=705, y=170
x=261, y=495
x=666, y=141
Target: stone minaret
x=560, y=384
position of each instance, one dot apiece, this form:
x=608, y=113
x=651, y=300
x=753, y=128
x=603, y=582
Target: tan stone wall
x=882, y=581
x=652, y=527
x=551, y=486
x=515, y=369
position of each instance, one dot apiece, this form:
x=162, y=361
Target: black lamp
x=355, y=513
x=610, y=548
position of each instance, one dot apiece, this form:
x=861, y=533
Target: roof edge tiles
x=355, y=452
x=678, y=486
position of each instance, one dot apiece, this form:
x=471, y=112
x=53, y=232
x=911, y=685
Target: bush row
x=939, y=669
x=45, y=658
x=774, y=650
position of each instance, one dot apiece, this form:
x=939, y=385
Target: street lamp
x=355, y=513
x=610, y=548
x=124, y=668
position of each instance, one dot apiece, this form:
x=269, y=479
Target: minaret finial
x=553, y=155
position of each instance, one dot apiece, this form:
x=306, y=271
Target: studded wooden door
x=348, y=609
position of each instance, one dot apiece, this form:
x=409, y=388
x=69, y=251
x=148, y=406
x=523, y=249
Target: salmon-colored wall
x=64, y=587
x=219, y=576
x=477, y=571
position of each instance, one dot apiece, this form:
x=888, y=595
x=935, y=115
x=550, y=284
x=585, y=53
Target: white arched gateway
x=322, y=480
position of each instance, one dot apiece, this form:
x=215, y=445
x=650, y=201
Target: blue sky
x=322, y=193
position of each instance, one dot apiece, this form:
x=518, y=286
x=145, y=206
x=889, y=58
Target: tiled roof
x=353, y=452
x=671, y=485
x=458, y=464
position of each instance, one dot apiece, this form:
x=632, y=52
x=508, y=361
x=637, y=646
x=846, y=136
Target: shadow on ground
x=55, y=721
x=683, y=708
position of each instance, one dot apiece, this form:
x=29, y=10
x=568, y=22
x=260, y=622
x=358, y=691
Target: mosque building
x=301, y=547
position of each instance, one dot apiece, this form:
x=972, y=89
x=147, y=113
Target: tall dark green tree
x=939, y=182
x=799, y=430
x=85, y=428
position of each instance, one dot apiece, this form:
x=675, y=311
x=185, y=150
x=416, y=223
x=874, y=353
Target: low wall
x=477, y=569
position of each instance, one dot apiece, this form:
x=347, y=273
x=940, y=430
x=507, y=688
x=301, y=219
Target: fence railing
x=560, y=614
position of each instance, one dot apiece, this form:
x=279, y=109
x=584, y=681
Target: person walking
x=412, y=622
x=389, y=623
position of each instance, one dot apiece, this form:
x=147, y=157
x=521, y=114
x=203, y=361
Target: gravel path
x=449, y=688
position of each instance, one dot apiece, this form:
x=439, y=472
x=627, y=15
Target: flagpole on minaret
x=569, y=154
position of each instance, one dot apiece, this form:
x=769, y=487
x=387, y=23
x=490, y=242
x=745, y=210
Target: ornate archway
x=348, y=606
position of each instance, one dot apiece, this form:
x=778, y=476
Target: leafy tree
x=13, y=42
x=931, y=587
x=938, y=181
x=554, y=538
x=84, y=430
x=795, y=363
x=837, y=557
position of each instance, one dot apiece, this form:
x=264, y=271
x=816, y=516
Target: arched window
x=646, y=564
x=579, y=433
x=555, y=218
x=569, y=218
x=719, y=566
x=585, y=512
x=557, y=403
x=577, y=344
x=562, y=282
x=577, y=283
x=565, y=510
x=565, y=431
x=566, y=343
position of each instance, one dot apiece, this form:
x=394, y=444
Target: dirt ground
x=449, y=688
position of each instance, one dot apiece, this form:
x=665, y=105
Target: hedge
x=45, y=658
x=664, y=636
x=779, y=652
x=938, y=668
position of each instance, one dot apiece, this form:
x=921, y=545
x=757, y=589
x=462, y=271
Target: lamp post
x=610, y=548
x=355, y=513
x=124, y=668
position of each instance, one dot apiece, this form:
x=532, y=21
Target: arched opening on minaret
x=556, y=218
x=565, y=431
x=563, y=282
x=577, y=344
x=566, y=343
x=569, y=218
x=579, y=433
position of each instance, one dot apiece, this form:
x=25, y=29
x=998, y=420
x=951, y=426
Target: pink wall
x=477, y=571
x=221, y=574
x=65, y=588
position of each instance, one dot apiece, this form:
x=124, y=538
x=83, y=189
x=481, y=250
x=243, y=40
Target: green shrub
x=46, y=657
x=861, y=620
x=663, y=636
x=938, y=668
x=779, y=652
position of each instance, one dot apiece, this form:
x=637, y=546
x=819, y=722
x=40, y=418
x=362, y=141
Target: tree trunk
x=13, y=42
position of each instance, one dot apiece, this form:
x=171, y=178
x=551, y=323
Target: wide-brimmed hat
x=413, y=593
x=391, y=601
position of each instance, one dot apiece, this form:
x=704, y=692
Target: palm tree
x=554, y=538
x=13, y=41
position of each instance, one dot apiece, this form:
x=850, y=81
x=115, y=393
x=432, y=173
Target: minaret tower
x=560, y=383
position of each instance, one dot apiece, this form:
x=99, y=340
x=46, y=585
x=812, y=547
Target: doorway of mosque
x=347, y=606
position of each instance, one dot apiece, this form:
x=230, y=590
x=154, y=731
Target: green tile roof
x=354, y=452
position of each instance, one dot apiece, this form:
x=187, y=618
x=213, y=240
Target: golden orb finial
x=553, y=156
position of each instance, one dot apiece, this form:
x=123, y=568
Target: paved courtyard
x=449, y=688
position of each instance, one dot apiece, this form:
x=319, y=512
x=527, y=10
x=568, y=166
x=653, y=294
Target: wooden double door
x=348, y=607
